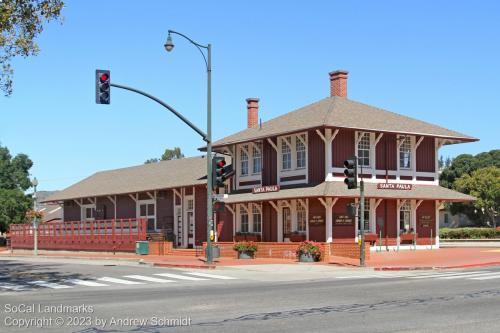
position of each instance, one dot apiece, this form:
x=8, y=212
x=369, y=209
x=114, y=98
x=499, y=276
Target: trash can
x=142, y=247
x=215, y=251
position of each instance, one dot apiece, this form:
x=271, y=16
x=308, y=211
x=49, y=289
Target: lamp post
x=208, y=62
x=34, y=182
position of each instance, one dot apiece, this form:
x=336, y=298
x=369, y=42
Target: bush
x=308, y=247
x=469, y=233
x=245, y=247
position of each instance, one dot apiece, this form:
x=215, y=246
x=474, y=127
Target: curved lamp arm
x=198, y=46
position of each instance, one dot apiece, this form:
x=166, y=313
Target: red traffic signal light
x=102, y=87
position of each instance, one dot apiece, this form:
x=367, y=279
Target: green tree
x=21, y=21
x=14, y=181
x=169, y=154
x=484, y=184
x=466, y=164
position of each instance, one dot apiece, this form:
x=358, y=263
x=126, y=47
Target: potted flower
x=297, y=236
x=308, y=251
x=246, y=250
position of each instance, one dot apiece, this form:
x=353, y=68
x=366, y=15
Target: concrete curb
x=495, y=263
x=160, y=264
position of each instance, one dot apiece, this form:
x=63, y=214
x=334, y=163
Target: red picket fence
x=100, y=235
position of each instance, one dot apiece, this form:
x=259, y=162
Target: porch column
x=438, y=203
x=328, y=203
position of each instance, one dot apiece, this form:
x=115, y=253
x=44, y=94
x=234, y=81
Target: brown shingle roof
x=147, y=177
x=338, y=189
x=343, y=113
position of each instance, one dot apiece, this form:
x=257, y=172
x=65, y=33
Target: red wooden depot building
x=288, y=182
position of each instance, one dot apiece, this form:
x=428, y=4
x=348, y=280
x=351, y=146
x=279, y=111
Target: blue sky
x=437, y=61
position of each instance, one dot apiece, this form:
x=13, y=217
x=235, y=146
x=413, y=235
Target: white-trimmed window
x=244, y=160
x=287, y=220
x=244, y=220
x=256, y=158
x=301, y=217
x=405, y=154
x=286, y=153
x=88, y=212
x=366, y=217
x=364, y=150
x=256, y=219
x=405, y=217
x=300, y=148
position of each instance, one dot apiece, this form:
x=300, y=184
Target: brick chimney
x=338, y=83
x=252, y=112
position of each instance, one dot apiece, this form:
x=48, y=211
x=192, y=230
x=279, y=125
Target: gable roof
x=147, y=177
x=342, y=113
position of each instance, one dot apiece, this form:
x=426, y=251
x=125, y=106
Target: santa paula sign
x=394, y=186
x=265, y=189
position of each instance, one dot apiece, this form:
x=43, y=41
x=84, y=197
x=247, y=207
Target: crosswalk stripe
x=86, y=283
x=11, y=286
x=180, y=277
x=441, y=274
x=147, y=278
x=212, y=276
x=465, y=276
x=50, y=285
x=496, y=276
x=115, y=280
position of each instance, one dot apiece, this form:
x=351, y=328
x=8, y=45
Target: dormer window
x=256, y=158
x=405, y=154
x=286, y=153
x=364, y=150
x=293, y=152
x=244, y=160
x=300, y=145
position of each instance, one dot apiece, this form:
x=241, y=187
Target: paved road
x=271, y=298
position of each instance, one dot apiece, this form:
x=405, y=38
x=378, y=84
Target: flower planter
x=249, y=238
x=306, y=257
x=297, y=238
x=246, y=255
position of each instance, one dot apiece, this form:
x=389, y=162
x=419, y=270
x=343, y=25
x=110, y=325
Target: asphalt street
x=79, y=296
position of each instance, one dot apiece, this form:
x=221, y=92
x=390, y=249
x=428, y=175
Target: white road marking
x=441, y=274
x=180, y=277
x=86, y=283
x=496, y=276
x=115, y=280
x=11, y=286
x=357, y=276
x=147, y=278
x=471, y=275
x=50, y=285
x=211, y=276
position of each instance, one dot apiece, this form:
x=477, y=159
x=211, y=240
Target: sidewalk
x=403, y=260
x=427, y=259
x=154, y=260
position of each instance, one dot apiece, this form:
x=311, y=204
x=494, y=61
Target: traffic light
x=102, y=87
x=351, y=173
x=219, y=172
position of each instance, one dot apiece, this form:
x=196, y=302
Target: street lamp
x=34, y=182
x=169, y=45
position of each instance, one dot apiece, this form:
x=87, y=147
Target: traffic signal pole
x=362, y=220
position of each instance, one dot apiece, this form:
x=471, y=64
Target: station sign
x=394, y=186
x=266, y=189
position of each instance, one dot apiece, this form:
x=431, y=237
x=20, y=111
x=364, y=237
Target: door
x=287, y=223
x=190, y=219
x=180, y=228
x=189, y=222
x=147, y=211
